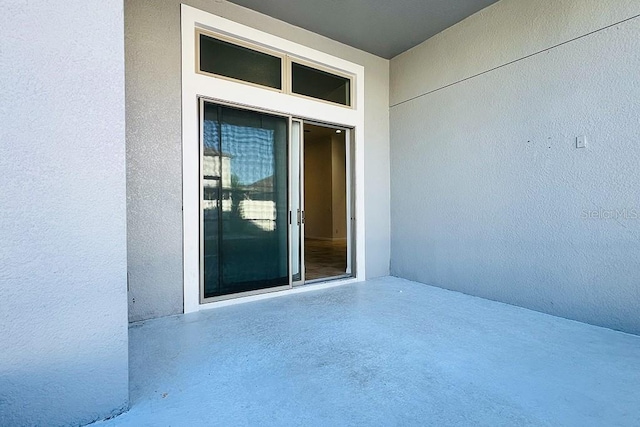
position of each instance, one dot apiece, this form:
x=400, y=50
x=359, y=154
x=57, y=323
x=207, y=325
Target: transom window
x=221, y=56
x=310, y=81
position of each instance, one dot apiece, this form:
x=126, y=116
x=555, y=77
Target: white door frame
x=296, y=211
x=195, y=85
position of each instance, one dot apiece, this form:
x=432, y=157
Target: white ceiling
x=382, y=27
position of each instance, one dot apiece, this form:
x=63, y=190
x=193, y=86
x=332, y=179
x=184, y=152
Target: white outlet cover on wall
x=581, y=142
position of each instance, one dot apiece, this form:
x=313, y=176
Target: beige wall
x=338, y=188
x=325, y=187
x=318, y=188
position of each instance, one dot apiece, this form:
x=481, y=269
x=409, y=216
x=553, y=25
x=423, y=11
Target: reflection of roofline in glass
x=208, y=151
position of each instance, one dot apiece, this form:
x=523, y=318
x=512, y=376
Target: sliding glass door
x=275, y=202
x=244, y=201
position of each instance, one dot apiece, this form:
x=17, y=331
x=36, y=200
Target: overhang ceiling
x=382, y=27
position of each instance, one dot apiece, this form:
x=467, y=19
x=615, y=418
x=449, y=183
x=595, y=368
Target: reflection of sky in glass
x=251, y=149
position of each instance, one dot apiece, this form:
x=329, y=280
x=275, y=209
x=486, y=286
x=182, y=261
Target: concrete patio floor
x=384, y=352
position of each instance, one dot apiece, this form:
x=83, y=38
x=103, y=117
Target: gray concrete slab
x=384, y=352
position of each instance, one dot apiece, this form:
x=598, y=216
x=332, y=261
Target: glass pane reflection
x=238, y=62
x=319, y=84
x=244, y=193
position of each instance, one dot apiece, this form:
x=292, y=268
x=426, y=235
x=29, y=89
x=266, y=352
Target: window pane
x=244, y=190
x=230, y=60
x=320, y=84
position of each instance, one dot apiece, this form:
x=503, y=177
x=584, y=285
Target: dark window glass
x=244, y=201
x=230, y=60
x=320, y=84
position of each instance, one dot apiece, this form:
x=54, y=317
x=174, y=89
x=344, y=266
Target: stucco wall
x=63, y=306
x=489, y=192
x=152, y=48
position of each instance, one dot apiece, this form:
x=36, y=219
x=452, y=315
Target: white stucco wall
x=489, y=192
x=63, y=306
x=152, y=33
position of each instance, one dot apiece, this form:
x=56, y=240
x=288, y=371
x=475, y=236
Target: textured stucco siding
x=490, y=195
x=63, y=304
